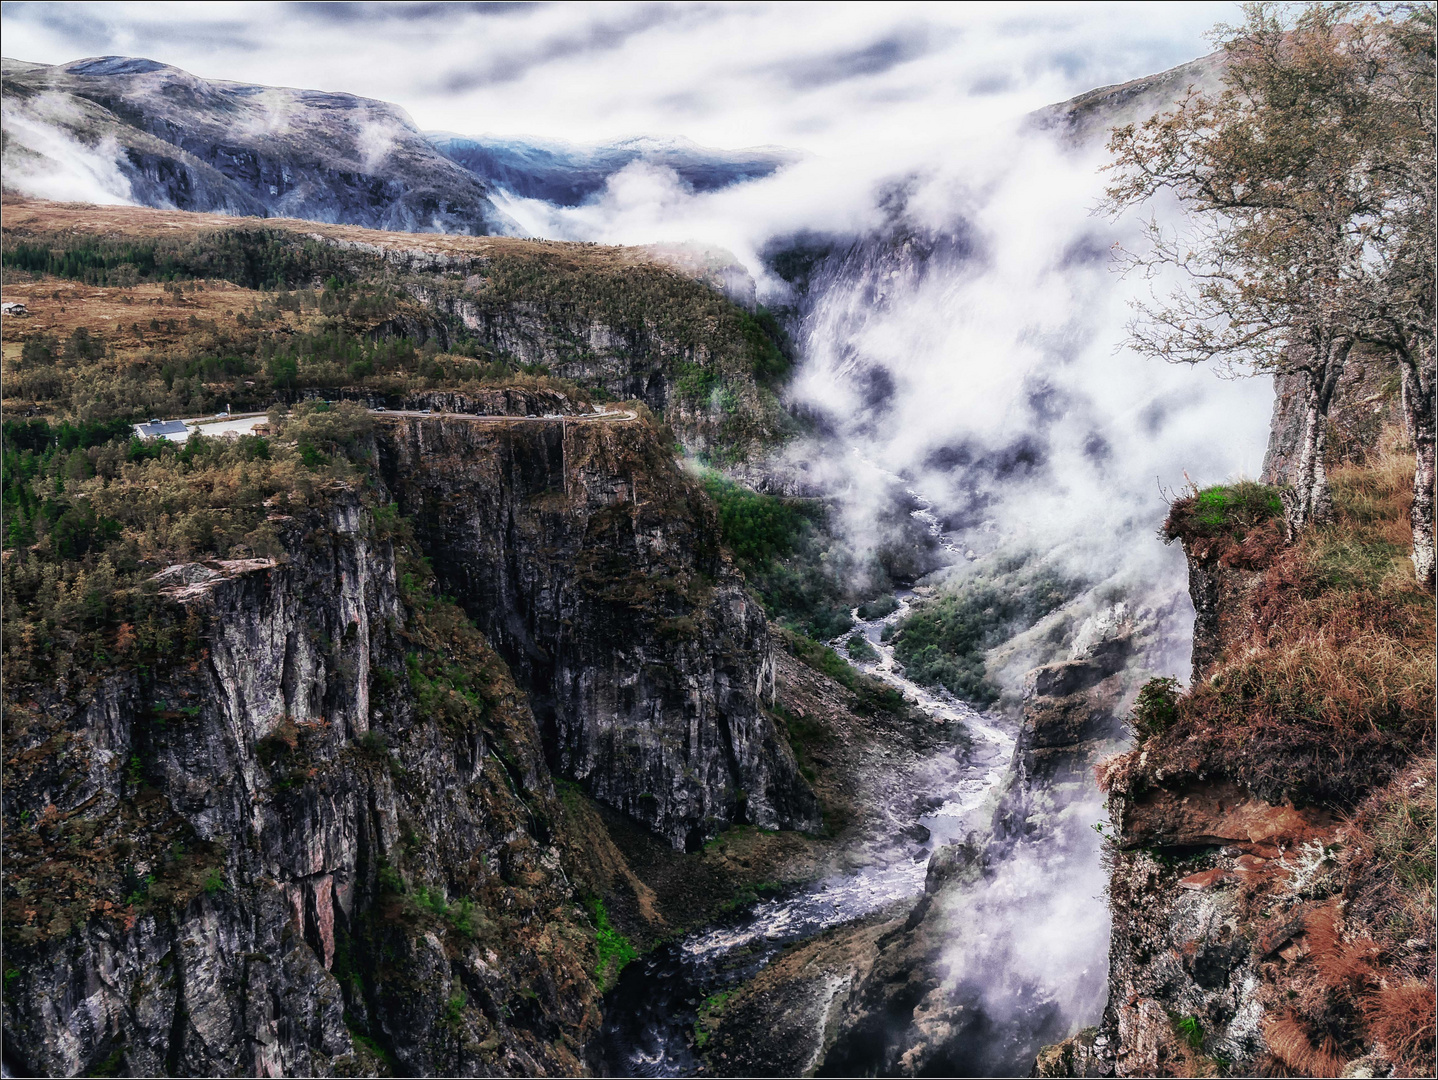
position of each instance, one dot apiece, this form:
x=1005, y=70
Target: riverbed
x=650, y=1014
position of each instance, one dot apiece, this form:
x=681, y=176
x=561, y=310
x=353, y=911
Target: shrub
x=943, y=642
x=877, y=609
x=612, y=949
x=1328, y=689
x=1156, y=707
x=859, y=648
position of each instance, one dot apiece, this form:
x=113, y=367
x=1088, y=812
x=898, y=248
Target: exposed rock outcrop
x=593, y=564
x=175, y=140
x=936, y=989
x=267, y=846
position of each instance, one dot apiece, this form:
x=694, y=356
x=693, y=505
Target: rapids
x=651, y=1012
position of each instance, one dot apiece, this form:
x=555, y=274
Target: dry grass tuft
x=1289, y=1042
x=1401, y=1018
x=1331, y=690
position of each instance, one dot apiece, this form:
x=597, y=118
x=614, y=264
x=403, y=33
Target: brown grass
x=1402, y=1018
x=1289, y=1042
x=27, y=217
x=60, y=307
x=1331, y=691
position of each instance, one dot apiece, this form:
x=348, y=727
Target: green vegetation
x=757, y=528
x=1225, y=510
x=612, y=949
x=1190, y=1030
x=873, y=695
x=252, y=258
x=878, y=608
x=90, y=524
x=1156, y=707
x=786, y=554
x=710, y=1009
x=942, y=642
x=859, y=648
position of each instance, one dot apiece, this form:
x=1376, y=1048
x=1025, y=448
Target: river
x=651, y=1012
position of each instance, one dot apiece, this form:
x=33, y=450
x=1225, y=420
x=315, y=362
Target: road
x=244, y=423
x=618, y=416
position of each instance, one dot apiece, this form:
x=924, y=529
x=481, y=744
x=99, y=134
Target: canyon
x=543, y=688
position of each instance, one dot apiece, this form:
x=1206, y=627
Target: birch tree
x=1298, y=216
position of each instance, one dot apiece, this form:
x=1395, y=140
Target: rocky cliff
x=309, y=838
x=592, y=562
x=299, y=818
x=1271, y=883
x=949, y=986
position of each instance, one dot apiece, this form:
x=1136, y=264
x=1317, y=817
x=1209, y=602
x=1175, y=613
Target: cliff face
x=1272, y=859
x=592, y=563
x=271, y=854
x=315, y=831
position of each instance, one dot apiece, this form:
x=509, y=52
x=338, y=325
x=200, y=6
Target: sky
x=822, y=78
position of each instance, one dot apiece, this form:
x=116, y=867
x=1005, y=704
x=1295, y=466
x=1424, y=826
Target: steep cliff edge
x=275, y=804
x=298, y=826
x=1272, y=864
x=592, y=562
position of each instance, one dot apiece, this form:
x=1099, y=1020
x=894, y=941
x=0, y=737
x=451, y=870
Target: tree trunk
x=1418, y=412
x=1310, y=501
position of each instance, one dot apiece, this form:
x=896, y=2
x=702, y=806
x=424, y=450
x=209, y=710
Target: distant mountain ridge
x=130, y=129
x=567, y=174
x=176, y=140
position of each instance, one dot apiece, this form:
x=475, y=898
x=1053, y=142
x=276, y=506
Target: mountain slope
x=120, y=129
x=567, y=174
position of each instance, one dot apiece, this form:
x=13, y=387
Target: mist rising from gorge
x=960, y=332
x=959, y=323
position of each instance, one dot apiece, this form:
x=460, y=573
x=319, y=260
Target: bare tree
x=1296, y=207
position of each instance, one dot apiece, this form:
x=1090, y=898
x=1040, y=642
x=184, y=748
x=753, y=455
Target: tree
x=1394, y=306
x=1302, y=222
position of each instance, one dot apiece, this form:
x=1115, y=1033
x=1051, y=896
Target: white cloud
x=829, y=78
x=44, y=160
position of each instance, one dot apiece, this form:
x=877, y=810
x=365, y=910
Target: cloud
x=44, y=160
x=865, y=61
x=862, y=76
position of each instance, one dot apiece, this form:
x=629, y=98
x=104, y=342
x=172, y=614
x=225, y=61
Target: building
x=174, y=430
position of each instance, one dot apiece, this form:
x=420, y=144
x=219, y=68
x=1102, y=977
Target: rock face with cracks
x=592, y=563
x=321, y=837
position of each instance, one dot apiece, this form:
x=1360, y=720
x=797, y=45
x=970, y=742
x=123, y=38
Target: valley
x=551, y=657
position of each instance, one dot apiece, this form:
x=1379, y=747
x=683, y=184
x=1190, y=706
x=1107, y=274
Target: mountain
x=567, y=174
x=1087, y=119
x=124, y=129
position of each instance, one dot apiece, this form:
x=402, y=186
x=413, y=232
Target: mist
x=44, y=160
x=960, y=337
x=964, y=331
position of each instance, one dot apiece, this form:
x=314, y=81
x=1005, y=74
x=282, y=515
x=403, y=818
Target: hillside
x=148, y=133
x=377, y=743
x=239, y=310
x=566, y=174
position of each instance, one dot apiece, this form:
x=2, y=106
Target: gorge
x=652, y=659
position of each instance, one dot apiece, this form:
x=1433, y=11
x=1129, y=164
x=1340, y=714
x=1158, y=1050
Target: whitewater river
x=650, y=1013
